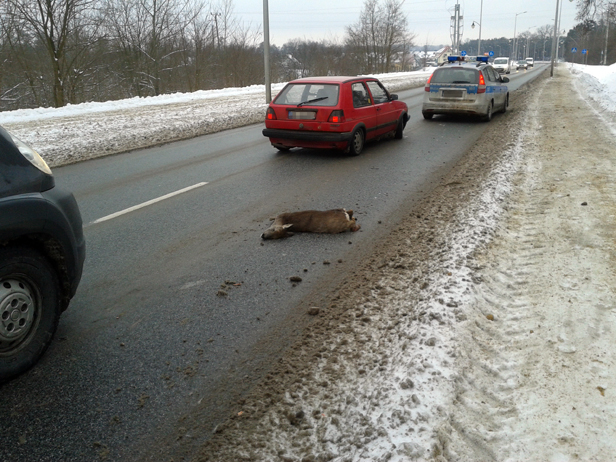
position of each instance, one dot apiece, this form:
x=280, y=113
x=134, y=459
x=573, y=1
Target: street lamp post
x=479, y=43
x=515, y=43
x=607, y=30
x=266, y=53
x=554, y=40
x=480, y=20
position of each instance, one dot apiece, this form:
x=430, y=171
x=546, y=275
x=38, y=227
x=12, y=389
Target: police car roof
x=474, y=61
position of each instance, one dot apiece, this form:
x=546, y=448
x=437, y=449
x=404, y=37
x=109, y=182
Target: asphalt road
x=182, y=307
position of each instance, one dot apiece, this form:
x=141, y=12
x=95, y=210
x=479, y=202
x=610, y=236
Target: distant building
x=443, y=54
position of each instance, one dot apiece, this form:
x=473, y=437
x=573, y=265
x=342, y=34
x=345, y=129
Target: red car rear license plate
x=304, y=115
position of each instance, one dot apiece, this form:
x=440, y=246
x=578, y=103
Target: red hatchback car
x=333, y=113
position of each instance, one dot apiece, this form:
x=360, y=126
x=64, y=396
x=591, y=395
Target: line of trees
x=536, y=44
x=58, y=52
x=591, y=35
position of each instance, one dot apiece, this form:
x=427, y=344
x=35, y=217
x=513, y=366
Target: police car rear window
x=455, y=75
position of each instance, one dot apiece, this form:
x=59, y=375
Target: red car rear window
x=309, y=94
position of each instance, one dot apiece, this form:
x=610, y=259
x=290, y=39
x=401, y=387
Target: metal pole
x=515, y=42
x=558, y=29
x=480, y=22
x=515, y=23
x=457, y=28
x=607, y=30
x=266, y=53
x=554, y=39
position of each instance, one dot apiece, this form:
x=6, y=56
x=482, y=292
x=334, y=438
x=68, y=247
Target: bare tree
x=55, y=52
x=595, y=9
x=196, y=46
x=146, y=34
x=243, y=61
x=603, y=12
x=380, y=35
x=66, y=29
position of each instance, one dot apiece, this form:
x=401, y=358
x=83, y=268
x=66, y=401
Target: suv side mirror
x=504, y=79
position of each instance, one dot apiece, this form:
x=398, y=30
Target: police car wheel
x=506, y=104
x=488, y=115
x=427, y=115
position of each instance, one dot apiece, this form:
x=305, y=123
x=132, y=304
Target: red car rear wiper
x=312, y=100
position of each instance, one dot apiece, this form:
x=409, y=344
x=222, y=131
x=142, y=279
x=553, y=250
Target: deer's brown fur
x=311, y=221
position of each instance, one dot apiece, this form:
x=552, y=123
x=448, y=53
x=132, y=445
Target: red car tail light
x=336, y=117
x=427, y=88
x=270, y=114
x=482, y=84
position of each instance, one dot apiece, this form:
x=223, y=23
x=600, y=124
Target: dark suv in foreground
x=42, y=250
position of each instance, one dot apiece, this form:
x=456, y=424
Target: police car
x=465, y=87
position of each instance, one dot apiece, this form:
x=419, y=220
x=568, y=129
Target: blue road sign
x=584, y=51
x=491, y=53
x=463, y=53
x=574, y=50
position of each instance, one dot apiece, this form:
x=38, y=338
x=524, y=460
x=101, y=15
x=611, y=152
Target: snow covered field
x=84, y=131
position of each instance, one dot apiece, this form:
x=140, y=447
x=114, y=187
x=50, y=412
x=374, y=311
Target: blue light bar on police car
x=452, y=59
x=482, y=59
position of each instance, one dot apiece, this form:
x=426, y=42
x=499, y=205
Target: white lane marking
x=145, y=204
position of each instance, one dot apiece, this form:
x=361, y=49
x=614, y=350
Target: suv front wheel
x=29, y=308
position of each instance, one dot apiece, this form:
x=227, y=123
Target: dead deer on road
x=311, y=221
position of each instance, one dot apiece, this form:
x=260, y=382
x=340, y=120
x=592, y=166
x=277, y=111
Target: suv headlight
x=32, y=156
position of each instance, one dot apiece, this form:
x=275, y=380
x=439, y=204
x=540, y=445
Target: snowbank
x=600, y=83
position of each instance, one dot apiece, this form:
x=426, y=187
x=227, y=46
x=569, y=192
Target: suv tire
x=29, y=308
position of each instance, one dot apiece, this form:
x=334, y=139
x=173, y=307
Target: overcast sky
x=428, y=19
